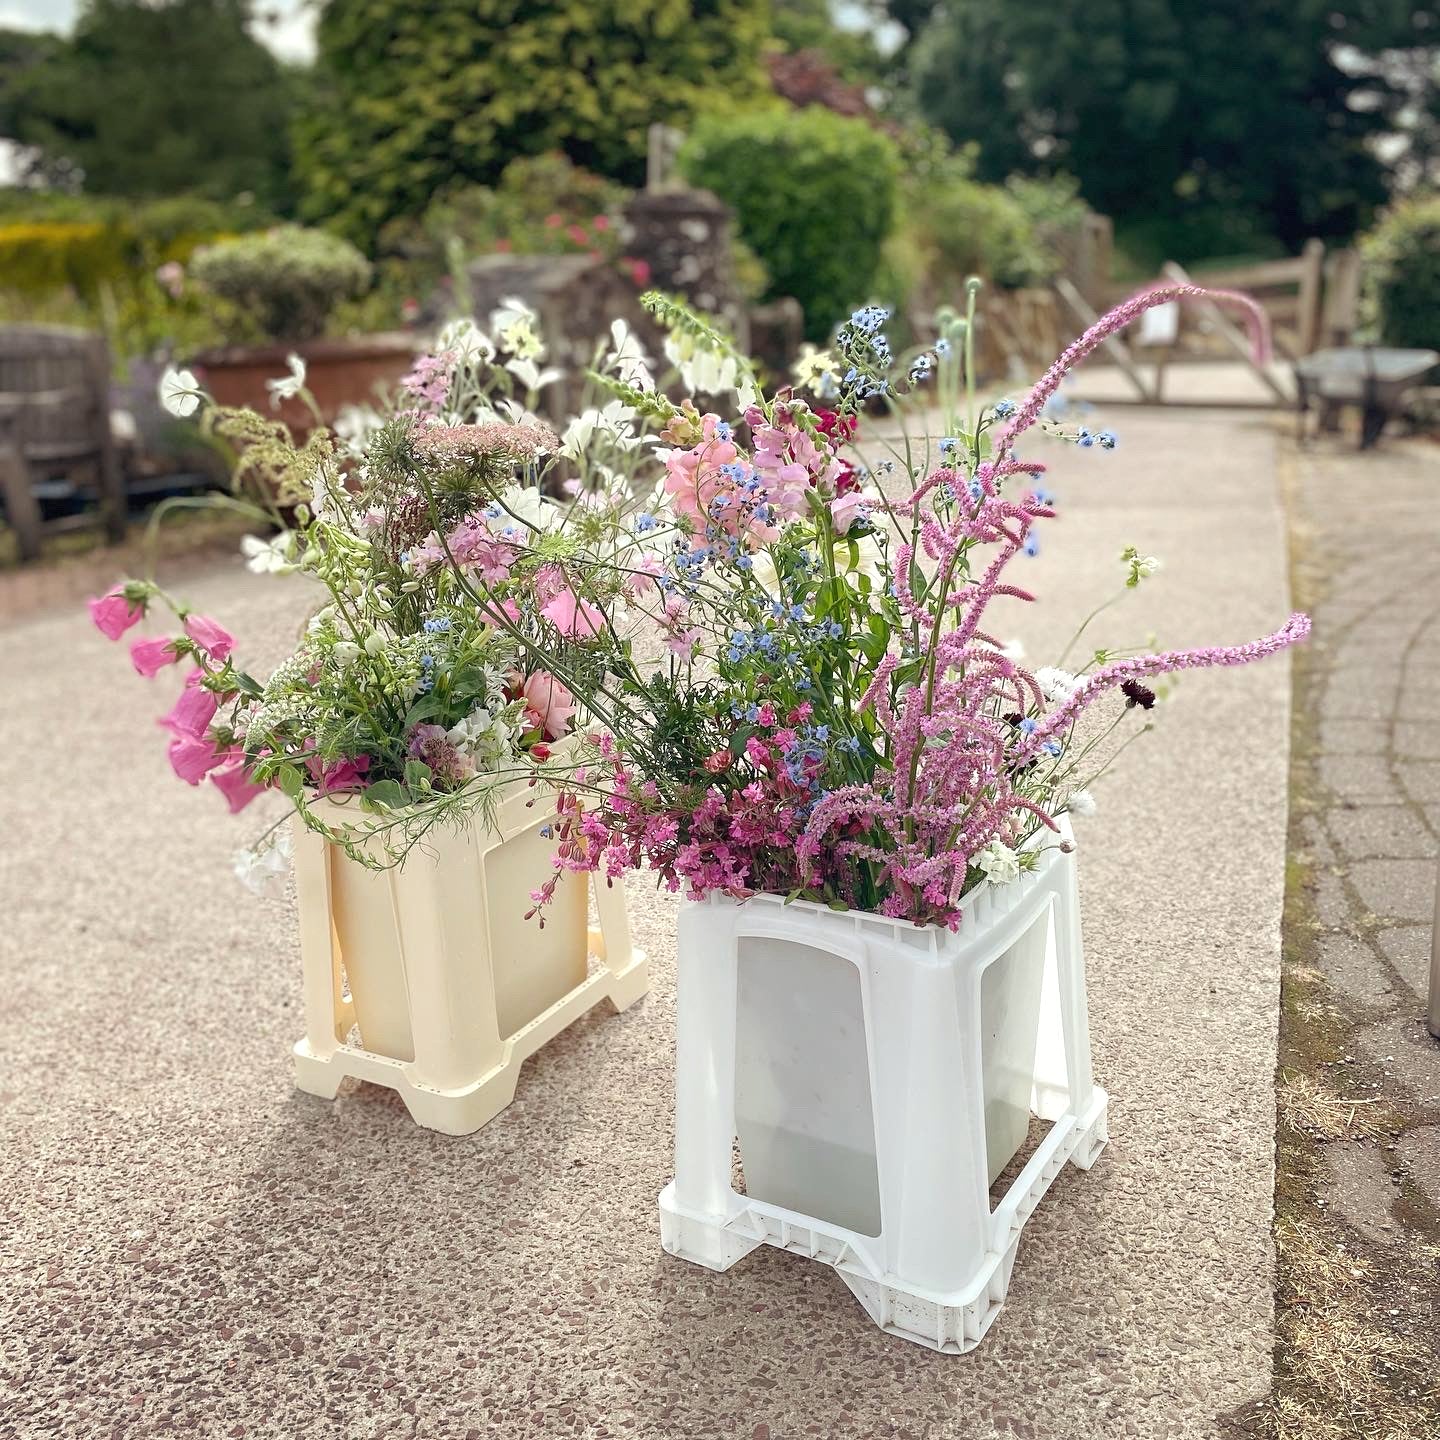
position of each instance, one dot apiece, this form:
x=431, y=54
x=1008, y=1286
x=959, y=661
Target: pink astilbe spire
x=1116, y=320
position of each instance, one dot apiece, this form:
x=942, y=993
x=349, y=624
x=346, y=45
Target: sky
x=286, y=26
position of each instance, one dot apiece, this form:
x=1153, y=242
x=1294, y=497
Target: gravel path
x=191, y=1247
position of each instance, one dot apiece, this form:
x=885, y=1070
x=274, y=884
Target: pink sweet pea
x=150, y=657
x=573, y=617
x=214, y=639
x=194, y=710
x=348, y=774
x=846, y=509
x=113, y=614
x=193, y=757
x=235, y=784
x=548, y=703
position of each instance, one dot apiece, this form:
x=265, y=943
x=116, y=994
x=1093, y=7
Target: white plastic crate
x=878, y=1077
x=449, y=987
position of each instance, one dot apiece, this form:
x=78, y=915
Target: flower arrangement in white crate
x=778, y=638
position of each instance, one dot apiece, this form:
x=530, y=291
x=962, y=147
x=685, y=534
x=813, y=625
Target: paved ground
x=191, y=1247
x=1364, y=838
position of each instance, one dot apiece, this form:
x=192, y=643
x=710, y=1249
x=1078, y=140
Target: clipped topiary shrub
x=287, y=280
x=1401, y=258
x=813, y=195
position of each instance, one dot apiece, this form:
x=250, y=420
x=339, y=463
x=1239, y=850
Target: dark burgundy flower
x=1138, y=694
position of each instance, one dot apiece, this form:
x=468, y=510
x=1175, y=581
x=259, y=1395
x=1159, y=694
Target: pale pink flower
x=572, y=616
x=548, y=703
x=846, y=509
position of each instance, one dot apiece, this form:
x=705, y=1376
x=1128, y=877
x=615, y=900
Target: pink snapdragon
x=113, y=614
x=846, y=509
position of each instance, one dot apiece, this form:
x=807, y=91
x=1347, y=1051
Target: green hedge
x=814, y=197
x=1401, y=258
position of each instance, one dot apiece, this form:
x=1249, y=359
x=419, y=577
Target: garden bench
x=55, y=430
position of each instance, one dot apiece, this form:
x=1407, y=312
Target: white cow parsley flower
x=1081, y=803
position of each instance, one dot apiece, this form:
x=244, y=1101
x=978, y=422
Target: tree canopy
x=1215, y=126
x=151, y=99
x=415, y=100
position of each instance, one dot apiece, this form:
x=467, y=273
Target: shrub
x=1402, y=274
x=813, y=195
x=412, y=101
x=288, y=280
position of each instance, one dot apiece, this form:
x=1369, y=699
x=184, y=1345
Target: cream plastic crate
x=433, y=963
x=878, y=1077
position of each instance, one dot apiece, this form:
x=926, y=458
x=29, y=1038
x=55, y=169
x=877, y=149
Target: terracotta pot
x=338, y=373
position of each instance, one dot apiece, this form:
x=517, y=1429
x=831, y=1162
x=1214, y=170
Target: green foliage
x=415, y=101
x=287, y=280
x=93, y=262
x=814, y=197
x=154, y=98
x=541, y=205
x=1402, y=273
x=952, y=226
x=1213, y=126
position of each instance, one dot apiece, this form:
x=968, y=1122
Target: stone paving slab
x=193, y=1248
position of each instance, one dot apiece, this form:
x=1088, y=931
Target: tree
x=416, y=100
x=152, y=98
x=1205, y=127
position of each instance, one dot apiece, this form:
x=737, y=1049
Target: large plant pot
x=338, y=373
x=427, y=978
x=879, y=1077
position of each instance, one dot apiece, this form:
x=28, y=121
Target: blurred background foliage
x=870, y=148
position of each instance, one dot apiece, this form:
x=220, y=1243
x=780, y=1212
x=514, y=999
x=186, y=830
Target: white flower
x=288, y=386
x=1081, y=803
x=628, y=359
x=1138, y=567
x=257, y=869
x=322, y=493
x=1055, y=684
x=1013, y=650
x=464, y=339
x=180, y=392
x=817, y=371
x=355, y=424
x=869, y=558
x=514, y=327
x=1000, y=864
x=346, y=653
x=269, y=557
x=530, y=506
x=704, y=371
x=613, y=422
x=529, y=376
